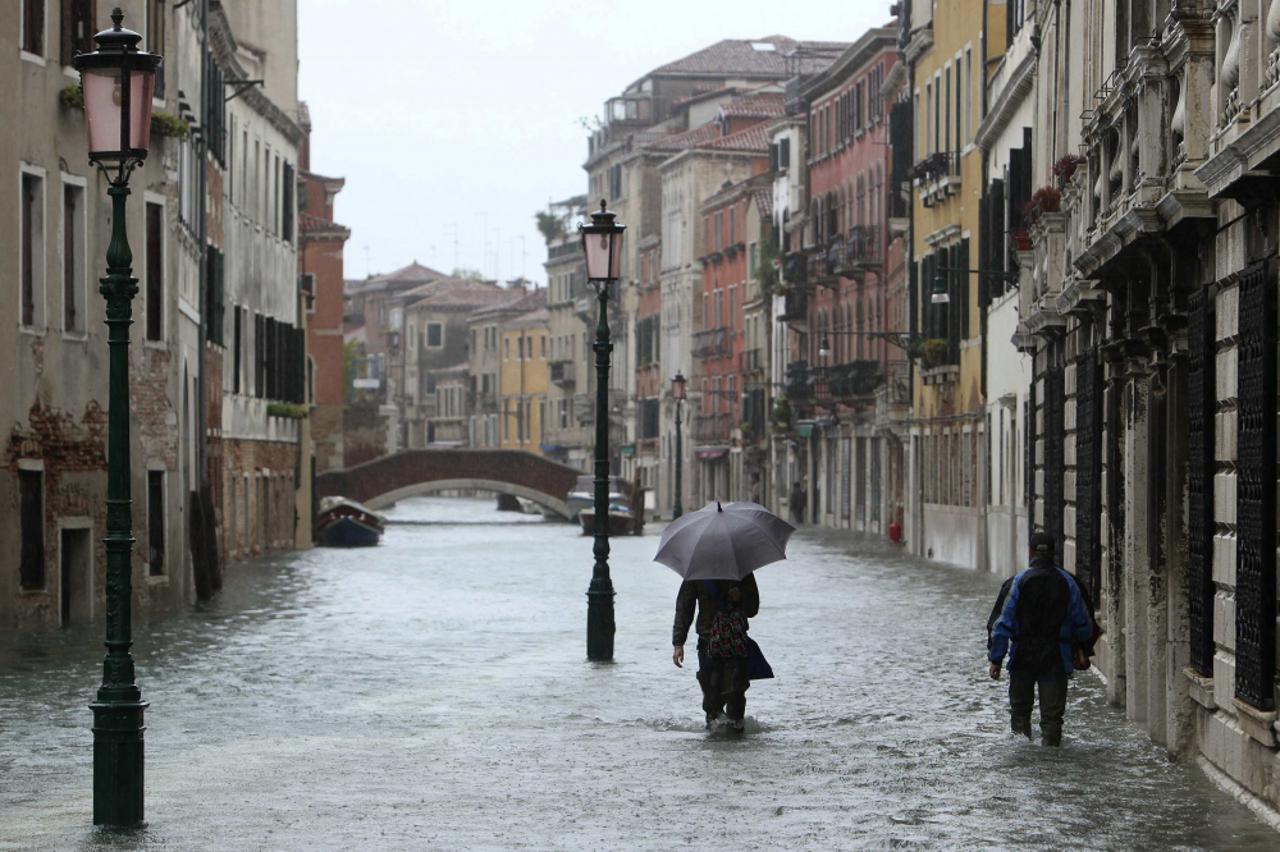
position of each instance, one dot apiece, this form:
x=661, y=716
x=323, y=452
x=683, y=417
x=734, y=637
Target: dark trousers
x=1053, y=702
x=724, y=686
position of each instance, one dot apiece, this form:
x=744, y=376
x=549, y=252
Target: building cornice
x=1006, y=106
x=921, y=41
x=223, y=45
x=871, y=44
x=1242, y=154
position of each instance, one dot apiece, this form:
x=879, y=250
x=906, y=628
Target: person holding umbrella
x=715, y=551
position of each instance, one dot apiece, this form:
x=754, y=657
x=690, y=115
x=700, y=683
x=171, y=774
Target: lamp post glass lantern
x=118, y=80
x=678, y=390
x=940, y=295
x=602, y=247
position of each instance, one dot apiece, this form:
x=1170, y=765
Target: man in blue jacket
x=1044, y=617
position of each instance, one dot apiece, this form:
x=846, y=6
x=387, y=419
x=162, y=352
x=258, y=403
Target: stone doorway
x=75, y=586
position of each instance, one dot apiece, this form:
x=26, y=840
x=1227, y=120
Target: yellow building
x=946, y=54
x=523, y=380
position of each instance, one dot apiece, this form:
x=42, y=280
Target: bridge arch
x=380, y=482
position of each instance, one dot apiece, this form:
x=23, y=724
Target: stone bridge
x=382, y=481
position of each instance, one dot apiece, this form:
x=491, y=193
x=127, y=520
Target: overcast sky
x=454, y=121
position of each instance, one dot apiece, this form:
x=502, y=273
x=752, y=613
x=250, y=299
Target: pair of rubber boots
x=1023, y=726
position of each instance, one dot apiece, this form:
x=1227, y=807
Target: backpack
x=727, y=636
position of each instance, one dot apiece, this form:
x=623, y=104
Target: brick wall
x=73, y=451
x=258, y=497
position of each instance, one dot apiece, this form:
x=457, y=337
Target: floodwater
x=433, y=694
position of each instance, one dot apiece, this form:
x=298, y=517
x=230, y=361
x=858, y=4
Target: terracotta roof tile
x=754, y=138
x=308, y=224
x=758, y=105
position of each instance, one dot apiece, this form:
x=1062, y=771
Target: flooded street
x=433, y=693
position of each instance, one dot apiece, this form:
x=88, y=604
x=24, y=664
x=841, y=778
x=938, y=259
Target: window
x=33, y=250
x=506, y=348
x=968, y=93
x=732, y=230
x=31, y=498
x=275, y=197
x=33, y=27
x=946, y=137
x=215, y=296
x=435, y=335
x=155, y=39
x=78, y=17
x=216, y=113
x=155, y=522
x=542, y=346
x=155, y=270
x=307, y=283
x=235, y=358
x=753, y=259
x=286, y=192
x=73, y=262
x=925, y=148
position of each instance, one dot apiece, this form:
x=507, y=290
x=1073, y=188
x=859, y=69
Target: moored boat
x=622, y=520
x=346, y=523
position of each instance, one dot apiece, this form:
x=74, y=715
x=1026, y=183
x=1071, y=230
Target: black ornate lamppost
x=602, y=245
x=118, y=81
x=678, y=383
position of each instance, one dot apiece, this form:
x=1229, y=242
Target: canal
x=433, y=693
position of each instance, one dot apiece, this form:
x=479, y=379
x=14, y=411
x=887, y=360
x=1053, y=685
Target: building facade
x=263, y=439
x=322, y=243
x=946, y=51
x=53, y=236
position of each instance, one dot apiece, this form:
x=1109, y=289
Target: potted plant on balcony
x=933, y=353
x=1066, y=167
x=1021, y=239
x=1046, y=199
x=781, y=414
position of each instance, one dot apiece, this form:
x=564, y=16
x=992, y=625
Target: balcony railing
x=852, y=380
x=864, y=245
x=711, y=343
x=712, y=427
x=937, y=176
x=799, y=382
x=563, y=372
x=937, y=166
x=795, y=304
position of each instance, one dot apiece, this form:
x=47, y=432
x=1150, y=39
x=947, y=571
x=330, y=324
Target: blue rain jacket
x=1040, y=608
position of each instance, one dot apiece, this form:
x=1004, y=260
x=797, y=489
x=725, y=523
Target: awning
x=710, y=453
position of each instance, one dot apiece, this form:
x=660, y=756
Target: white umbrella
x=723, y=542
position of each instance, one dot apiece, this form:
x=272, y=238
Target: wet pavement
x=433, y=693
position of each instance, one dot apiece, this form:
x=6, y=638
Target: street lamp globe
x=678, y=383
x=824, y=347
x=118, y=80
x=602, y=245
x=940, y=295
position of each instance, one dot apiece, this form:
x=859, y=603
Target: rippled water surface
x=432, y=693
